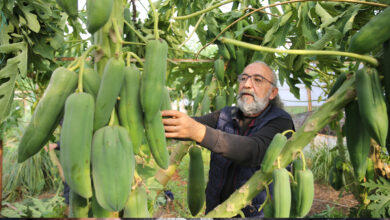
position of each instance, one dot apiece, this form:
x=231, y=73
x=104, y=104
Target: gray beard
x=258, y=105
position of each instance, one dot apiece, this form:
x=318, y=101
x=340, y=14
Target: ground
x=326, y=195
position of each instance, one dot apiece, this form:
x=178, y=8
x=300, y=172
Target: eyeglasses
x=257, y=79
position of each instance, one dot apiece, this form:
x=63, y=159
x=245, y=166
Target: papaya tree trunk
x=323, y=116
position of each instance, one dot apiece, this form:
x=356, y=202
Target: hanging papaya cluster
x=289, y=199
x=367, y=117
x=106, y=117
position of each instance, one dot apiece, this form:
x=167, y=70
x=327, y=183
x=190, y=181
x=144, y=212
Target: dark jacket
x=220, y=166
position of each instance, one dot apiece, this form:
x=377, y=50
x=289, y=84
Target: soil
x=326, y=195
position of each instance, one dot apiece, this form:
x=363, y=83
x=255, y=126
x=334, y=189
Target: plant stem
x=76, y=65
x=135, y=31
x=128, y=57
x=203, y=11
x=80, y=83
x=288, y=131
x=323, y=116
x=283, y=3
x=303, y=159
x=155, y=16
x=368, y=59
x=118, y=37
x=196, y=27
x=133, y=43
x=137, y=58
x=192, y=32
x=112, y=119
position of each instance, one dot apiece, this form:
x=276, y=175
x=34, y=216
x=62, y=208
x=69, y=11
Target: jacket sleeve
x=245, y=150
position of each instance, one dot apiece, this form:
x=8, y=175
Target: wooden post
x=309, y=104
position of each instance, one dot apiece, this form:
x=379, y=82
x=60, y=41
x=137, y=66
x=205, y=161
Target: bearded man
x=237, y=136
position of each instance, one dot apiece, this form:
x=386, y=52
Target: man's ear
x=274, y=93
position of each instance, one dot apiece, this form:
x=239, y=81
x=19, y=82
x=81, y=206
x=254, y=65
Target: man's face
x=257, y=90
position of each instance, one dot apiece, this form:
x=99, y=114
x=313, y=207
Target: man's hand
x=180, y=125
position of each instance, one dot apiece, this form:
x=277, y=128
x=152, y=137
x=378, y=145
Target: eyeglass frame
x=249, y=76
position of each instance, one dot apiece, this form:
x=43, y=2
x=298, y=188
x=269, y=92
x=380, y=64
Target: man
x=237, y=137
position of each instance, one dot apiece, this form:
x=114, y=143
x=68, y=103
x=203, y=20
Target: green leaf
x=308, y=28
x=42, y=48
x=347, y=18
x=330, y=34
x=145, y=171
x=57, y=41
x=284, y=19
x=380, y=197
x=32, y=21
x=7, y=85
x=326, y=18
x=270, y=34
x=4, y=37
x=8, y=75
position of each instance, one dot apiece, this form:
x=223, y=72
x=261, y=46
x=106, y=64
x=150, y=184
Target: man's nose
x=248, y=83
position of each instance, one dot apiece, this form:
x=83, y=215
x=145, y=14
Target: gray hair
x=273, y=74
x=276, y=101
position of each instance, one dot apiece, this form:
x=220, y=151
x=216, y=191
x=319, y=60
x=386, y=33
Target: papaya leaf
x=15, y=65
x=42, y=48
x=32, y=21
x=307, y=26
x=7, y=85
x=330, y=34
x=270, y=34
x=326, y=18
x=380, y=199
x=344, y=24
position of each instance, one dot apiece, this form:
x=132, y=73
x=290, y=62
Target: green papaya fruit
x=305, y=192
x=100, y=212
x=196, y=181
x=48, y=113
x=155, y=134
x=130, y=110
x=75, y=139
x=372, y=105
x=358, y=140
x=78, y=206
x=372, y=34
x=137, y=204
x=98, y=13
x=166, y=103
x=219, y=68
x=112, y=167
x=91, y=81
x=281, y=193
x=273, y=151
x=109, y=89
x=153, y=78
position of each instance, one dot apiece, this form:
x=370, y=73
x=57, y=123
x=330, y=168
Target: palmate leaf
x=15, y=65
x=32, y=21
x=380, y=200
